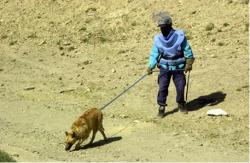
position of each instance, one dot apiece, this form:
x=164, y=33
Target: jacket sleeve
x=187, y=49
x=153, y=57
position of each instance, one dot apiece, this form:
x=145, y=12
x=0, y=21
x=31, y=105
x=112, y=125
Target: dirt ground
x=61, y=57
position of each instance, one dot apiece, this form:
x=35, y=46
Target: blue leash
x=116, y=97
x=137, y=81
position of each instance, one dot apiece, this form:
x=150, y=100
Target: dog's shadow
x=202, y=101
x=100, y=143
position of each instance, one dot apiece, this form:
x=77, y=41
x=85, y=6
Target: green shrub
x=210, y=27
x=4, y=157
x=220, y=43
x=225, y=24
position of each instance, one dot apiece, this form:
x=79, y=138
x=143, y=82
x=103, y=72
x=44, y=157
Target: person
x=172, y=54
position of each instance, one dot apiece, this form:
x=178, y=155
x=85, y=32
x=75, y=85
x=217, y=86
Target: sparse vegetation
x=225, y=24
x=209, y=27
x=5, y=157
x=61, y=57
x=247, y=27
x=220, y=44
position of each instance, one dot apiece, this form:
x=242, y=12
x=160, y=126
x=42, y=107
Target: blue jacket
x=175, y=46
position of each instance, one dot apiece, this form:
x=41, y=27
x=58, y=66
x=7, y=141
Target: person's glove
x=189, y=63
x=149, y=71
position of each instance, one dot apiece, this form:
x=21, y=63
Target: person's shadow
x=99, y=143
x=207, y=100
x=202, y=101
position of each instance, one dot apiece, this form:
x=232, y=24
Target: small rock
x=12, y=43
x=71, y=48
x=175, y=134
x=67, y=90
x=209, y=27
x=35, y=152
x=217, y=112
x=136, y=121
x=112, y=116
x=88, y=89
x=123, y=116
x=201, y=144
x=4, y=36
x=220, y=43
x=113, y=70
x=41, y=43
x=87, y=62
x=62, y=54
x=238, y=89
x=213, y=56
x=15, y=155
x=66, y=43
x=29, y=88
x=193, y=12
x=32, y=35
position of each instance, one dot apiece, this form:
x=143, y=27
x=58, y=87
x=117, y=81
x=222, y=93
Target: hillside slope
x=61, y=57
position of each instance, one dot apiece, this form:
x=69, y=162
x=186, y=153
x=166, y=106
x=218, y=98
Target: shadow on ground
x=207, y=100
x=202, y=101
x=101, y=142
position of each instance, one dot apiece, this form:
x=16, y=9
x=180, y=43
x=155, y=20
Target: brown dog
x=91, y=120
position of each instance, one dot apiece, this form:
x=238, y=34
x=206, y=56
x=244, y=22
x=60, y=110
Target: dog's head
x=70, y=139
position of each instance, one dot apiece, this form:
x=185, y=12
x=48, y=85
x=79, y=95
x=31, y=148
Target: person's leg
x=180, y=83
x=163, y=82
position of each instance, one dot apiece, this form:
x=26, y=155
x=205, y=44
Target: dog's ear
x=73, y=135
x=66, y=133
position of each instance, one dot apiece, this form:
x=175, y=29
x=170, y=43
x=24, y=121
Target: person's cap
x=165, y=21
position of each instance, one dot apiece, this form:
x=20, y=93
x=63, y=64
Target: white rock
x=136, y=121
x=216, y=112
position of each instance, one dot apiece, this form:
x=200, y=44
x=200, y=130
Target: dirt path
x=56, y=62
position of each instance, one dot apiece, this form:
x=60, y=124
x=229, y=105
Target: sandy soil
x=59, y=58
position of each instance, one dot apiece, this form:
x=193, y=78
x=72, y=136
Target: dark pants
x=164, y=81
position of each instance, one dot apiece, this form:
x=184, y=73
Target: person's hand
x=189, y=63
x=188, y=68
x=149, y=71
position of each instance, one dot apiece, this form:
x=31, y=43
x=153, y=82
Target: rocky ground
x=59, y=58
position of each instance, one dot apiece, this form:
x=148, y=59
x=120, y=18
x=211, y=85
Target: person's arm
x=188, y=54
x=186, y=49
x=153, y=57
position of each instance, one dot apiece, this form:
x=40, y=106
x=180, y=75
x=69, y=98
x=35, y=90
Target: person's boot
x=161, y=112
x=182, y=108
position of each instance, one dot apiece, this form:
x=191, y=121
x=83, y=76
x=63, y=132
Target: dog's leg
x=93, y=136
x=78, y=145
x=101, y=129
